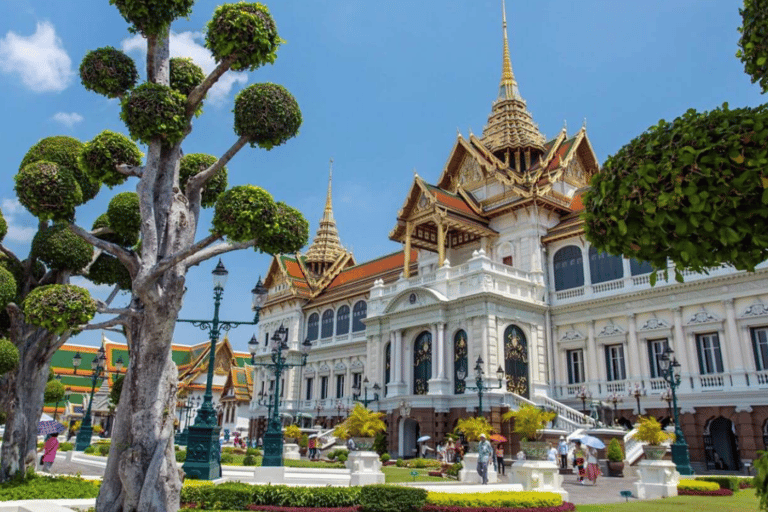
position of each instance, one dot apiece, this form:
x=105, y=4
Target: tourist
x=500, y=458
x=578, y=461
x=484, y=453
x=520, y=455
x=450, y=452
x=552, y=454
x=459, y=452
x=593, y=470
x=49, y=452
x=311, y=445
x=562, y=449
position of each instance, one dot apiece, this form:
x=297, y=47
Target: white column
x=435, y=355
x=594, y=372
x=396, y=356
x=441, y=352
x=348, y=378
x=634, y=360
x=733, y=344
x=680, y=344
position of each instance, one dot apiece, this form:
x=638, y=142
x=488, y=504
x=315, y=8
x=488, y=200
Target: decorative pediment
x=324, y=369
x=572, y=335
x=653, y=324
x=757, y=309
x=470, y=172
x=309, y=371
x=340, y=368
x=703, y=317
x=611, y=329
x=414, y=298
x=357, y=366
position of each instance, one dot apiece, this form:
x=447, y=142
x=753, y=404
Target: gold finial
x=326, y=246
x=584, y=125
x=508, y=87
x=330, y=179
x=565, y=125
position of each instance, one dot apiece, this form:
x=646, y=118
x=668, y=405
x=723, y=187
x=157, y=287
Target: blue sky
x=383, y=88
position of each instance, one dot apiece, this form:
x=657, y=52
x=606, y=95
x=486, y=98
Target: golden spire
x=326, y=247
x=508, y=86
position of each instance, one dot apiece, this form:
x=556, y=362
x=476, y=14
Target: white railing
x=658, y=384
x=608, y=286
x=711, y=381
x=618, y=386
x=633, y=449
x=567, y=415
x=760, y=378
x=569, y=294
x=325, y=439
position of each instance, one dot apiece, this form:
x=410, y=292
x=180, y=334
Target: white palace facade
x=494, y=266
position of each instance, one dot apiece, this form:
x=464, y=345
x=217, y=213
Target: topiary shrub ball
x=108, y=270
x=61, y=249
x=244, y=33
x=9, y=356
x=48, y=191
x=194, y=163
x=289, y=232
x=100, y=157
x=58, y=307
x=108, y=71
x=155, y=111
x=185, y=75
x=124, y=215
x=267, y=114
x=244, y=213
x=129, y=240
x=63, y=151
x=7, y=287
x=151, y=17
x=3, y=227
x=753, y=50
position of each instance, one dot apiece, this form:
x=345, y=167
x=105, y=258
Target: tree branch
x=130, y=170
x=211, y=252
x=126, y=257
x=112, y=295
x=118, y=320
x=9, y=254
x=174, y=259
x=198, y=93
x=196, y=182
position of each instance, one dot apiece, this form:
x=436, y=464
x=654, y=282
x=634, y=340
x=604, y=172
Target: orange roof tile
x=371, y=268
x=577, y=203
x=560, y=154
x=451, y=200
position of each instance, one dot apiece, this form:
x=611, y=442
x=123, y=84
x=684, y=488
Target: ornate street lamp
x=86, y=428
x=203, y=436
x=584, y=395
x=365, y=401
x=480, y=386
x=318, y=408
x=259, y=293
x=273, y=438
x=637, y=391
x=666, y=396
x=615, y=399
x=670, y=371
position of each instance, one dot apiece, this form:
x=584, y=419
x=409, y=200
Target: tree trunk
x=141, y=473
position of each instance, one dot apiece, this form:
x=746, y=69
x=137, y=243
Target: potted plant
x=472, y=428
x=529, y=421
x=649, y=431
x=362, y=426
x=615, y=457
x=303, y=444
x=292, y=433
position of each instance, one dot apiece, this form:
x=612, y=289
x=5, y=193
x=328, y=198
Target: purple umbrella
x=49, y=427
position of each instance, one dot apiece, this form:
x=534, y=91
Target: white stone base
x=538, y=475
x=468, y=473
x=658, y=479
x=365, y=468
x=440, y=387
x=291, y=451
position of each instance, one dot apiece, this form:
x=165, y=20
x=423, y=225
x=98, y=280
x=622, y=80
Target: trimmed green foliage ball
x=108, y=270
x=289, y=232
x=124, y=215
x=64, y=151
x=154, y=111
x=244, y=32
x=243, y=213
x=104, y=153
x=108, y=71
x=152, y=17
x=61, y=249
x=9, y=356
x=753, y=45
x=267, y=114
x=692, y=190
x=58, y=307
x=194, y=163
x=13, y=266
x=54, y=391
x=7, y=287
x=185, y=75
x=102, y=221
x=3, y=227
x=48, y=191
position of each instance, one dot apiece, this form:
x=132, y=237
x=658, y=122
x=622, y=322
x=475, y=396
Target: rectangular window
x=655, y=349
x=324, y=387
x=262, y=387
x=308, y=395
x=339, y=386
x=614, y=362
x=357, y=382
x=266, y=339
x=271, y=385
x=507, y=260
x=710, y=357
x=282, y=388
x=575, y=366
x=760, y=346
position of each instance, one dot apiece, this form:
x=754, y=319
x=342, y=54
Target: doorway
x=721, y=446
x=409, y=433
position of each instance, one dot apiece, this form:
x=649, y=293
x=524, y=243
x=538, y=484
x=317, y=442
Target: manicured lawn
x=394, y=475
x=742, y=501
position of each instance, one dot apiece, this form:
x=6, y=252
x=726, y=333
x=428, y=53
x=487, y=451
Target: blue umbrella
x=49, y=427
x=592, y=441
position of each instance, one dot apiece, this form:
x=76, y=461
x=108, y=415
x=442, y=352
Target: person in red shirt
x=49, y=451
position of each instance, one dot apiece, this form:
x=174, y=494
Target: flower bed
x=494, y=500
x=717, y=492
x=687, y=484
x=435, y=473
x=564, y=507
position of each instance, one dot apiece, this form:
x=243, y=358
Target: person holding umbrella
x=578, y=460
x=49, y=452
x=593, y=444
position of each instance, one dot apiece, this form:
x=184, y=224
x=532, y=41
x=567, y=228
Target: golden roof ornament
x=326, y=247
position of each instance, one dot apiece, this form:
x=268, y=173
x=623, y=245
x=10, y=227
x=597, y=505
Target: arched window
x=387, y=364
x=359, y=313
x=460, y=362
x=342, y=320
x=516, y=360
x=422, y=363
x=326, y=331
x=604, y=267
x=314, y=319
x=637, y=267
x=569, y=268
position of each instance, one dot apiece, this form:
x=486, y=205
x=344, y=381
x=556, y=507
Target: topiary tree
x=692, y=190
x=54, y=391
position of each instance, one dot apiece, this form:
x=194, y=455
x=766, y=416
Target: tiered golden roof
x=326, y=247
x=510, y=125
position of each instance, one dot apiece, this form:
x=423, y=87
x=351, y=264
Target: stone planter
x=616, y=469
x=473, y=446
x=291, y=451
x=364, y=443
x=654, y=452
x=534, y=450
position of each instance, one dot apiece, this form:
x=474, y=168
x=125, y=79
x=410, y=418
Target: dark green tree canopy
x=243, y=213
x=9, y=356
x=185, y=75
x=194, y=163
x=124, y=214
x=48, y=191
x=54, y=391
x=155, y=111
x=692, y=190
x=289, y=233
x=108, y=270
x=61, y=249
x=100, y=157
x=63, y=151
x=58, y=307
x=108, y=71
x=267, y=114
x=152, y=17
x=7, y=287
x=129, y=240
x=3, y=227
x=753, y=44
x=244, y=33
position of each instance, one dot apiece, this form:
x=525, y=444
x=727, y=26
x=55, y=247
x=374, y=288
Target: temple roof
x=239, y=385
x=326, y=247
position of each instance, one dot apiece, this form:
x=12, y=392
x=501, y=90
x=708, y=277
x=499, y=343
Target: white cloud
x=40, y=60
x=21, y=225
x=68, y=119
x=185, y=44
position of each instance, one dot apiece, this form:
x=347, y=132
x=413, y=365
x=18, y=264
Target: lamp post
x=97, y=366
x=340, y=409
x=637, y=391
x=670, y=371
x=318, y=408
x=376, y=388
x=666, y=395
x=203, y=438
x=584, y=395
x=266, y=399
x=480, y=386
x=615, y=399
x=273, y=438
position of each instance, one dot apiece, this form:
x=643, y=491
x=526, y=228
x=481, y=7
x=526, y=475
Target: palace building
x=495, y=270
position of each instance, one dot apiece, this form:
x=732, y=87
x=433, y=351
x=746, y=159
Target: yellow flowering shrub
x=496, y=499
x=697, y=485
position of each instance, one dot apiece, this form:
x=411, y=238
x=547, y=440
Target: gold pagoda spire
x=508, y=86
x=326, y=247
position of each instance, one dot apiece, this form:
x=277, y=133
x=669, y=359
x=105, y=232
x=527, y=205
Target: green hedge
x=237, y=495
x=44, y=488
x=496, y=499
x=391, y=498
x=725, y=482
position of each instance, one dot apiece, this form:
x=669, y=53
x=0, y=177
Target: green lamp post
x=98, y=364
x=480, y=386
x=670, y=371
x=365, y=401
x=203, y=449
x=273, y=438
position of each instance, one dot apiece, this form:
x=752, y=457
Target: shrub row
x=717, y=492
x=697, y=485
x=496, y=499
x=565, y=507
x=237, y=495
x=41, y=488
x=725, y=482
x=391, y=498
x=268, y=508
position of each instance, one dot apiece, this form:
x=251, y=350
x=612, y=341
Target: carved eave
x=200, y=365
x=319, y=283
x=450, y=177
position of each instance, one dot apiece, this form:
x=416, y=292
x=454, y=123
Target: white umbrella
x=45, y=417
x=423, y=438
x=592, y=441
